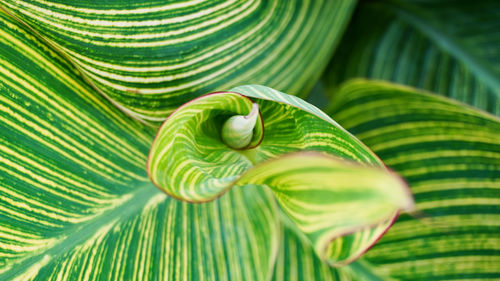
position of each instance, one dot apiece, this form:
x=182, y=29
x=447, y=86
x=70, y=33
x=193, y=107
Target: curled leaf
x=340, y=196
x=340, y=206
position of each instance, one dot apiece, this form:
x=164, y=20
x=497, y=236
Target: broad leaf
x=450, y=155
x=447, y=47
x=75, y=200
x=342, y=207
x=151, y=57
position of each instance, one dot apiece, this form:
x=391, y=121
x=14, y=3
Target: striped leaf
x=75, y=200
x=447, y=47
x=450, y=155
x=297, y=260
x=150, y=57
x=341, y=206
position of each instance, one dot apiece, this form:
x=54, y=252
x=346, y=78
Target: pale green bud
x=237, y=131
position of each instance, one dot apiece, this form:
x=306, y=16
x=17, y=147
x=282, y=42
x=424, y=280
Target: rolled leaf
x=450, y=155
x=151, y=57
x=75, y=200
x=341, y=206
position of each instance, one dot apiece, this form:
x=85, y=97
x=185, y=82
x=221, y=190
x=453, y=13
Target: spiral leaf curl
x=335, y=190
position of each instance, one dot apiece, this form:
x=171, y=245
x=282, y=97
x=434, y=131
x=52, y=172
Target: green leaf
x=151, y=57
x=321, y=194
x=342, y=208
x=209, y=166
x=447, y=47
x=298, y=261
x=75, y=200
x=450, y=155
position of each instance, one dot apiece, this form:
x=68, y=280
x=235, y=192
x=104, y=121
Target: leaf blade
x=448, y=153
x=76, y=202
x=147, y=56
x=446, y=49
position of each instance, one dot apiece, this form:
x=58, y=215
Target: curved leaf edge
x=332, y=107
x=254, y=143
x=409, y=250
x=390, y=220
x=387, y=221
x=248, y=96
x=376, y=227
x=314, y=111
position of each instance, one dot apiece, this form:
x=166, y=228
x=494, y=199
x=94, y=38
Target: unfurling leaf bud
x=237, y=131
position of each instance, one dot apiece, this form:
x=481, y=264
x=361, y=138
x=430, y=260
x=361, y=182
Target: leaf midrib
x=416, y=17
x=85, y=231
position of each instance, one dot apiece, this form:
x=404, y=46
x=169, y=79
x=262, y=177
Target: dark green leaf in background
x=447, y=47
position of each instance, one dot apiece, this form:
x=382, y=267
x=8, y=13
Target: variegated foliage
x=150, y=57
x=320, y=194
x=302, y=197
x=76, y=203
x=449, y=153
x=75, y=200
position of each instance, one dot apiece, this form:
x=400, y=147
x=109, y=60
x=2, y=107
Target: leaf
x=150, y=58
x=342, y=208
x=298, y=261
x=75, y=200
x=321, y=194
x=447, y=47
x=450, y=155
